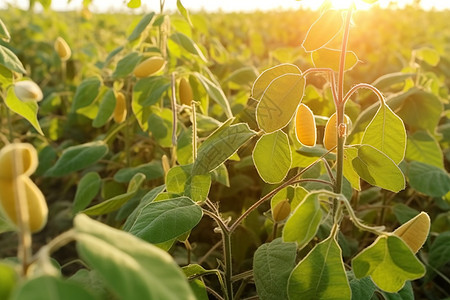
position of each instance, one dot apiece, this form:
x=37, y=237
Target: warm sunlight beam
x=344, y=4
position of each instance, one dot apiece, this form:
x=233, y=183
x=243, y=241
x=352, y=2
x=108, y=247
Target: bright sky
x=228, y=5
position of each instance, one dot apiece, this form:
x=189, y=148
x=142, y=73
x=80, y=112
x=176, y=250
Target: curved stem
x=364, y=86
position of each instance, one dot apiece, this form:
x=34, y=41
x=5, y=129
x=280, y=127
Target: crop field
x=189, y=155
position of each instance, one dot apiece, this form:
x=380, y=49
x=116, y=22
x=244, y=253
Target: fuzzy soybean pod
x=185, y=92
x=330, y=134
x=120, y=111
x=305, y=126
x=27, y=90
x=63, y=49
x=149, y=67
x=15, y=182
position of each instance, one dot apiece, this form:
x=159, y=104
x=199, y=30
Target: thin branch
x=364, y=86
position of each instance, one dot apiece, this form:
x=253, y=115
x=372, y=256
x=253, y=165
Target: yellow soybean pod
x=63, y=49
x=149, y=66
x=120, y=111
x=185, y=92
x=330, y=135
x=305, y=126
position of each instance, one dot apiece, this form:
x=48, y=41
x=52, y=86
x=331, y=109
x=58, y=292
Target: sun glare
x=344, y=4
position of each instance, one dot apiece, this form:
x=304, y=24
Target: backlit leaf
x=10, y=60
x=324, y=29
x=216, y=93
x=143, y=23
x=266, y=77
x=423, y=147
x=329, y=58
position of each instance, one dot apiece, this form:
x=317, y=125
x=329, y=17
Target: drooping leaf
x=132, y=268
x=151, y=170
x=321, y=274
x=187, y=44
x=4, y=33
x=106, y=109
x=324, y=29
x=28, y=109
x=87, y=189
x=415, y=232
x=386, y=133
x=424, y=148
x=216, y=93
x=78, y=157
x=162, y=221
x=263, y=81
x=377, y=169
x=220, y=146
x=272, y=264
x=329, y=58
x=143, y=23
x=304, y=222
x=183, y=11
x=10, y=60
x=86, y=93
x=428, y=179
x=272, y=156
x=389, y=262
x=279, y=102
x=349, y=172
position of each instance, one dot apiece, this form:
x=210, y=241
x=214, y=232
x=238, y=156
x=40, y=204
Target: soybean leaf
x=10, y=60
x=4, y=33
x=134, y=3
x=116, y=202
x=321, y=274
x=279, y=102
x=132, y=268
x=363, y=288
x=216, y=93
x=428, y=55
x=406, y=293
x=78, y=157
x=389, y=262
x=28, y=109
x=162, y=221
x=427, y=179
x=51, y=288
x=324, y=29
x=92, y=282
x=87, y=189
x=86, y=93
x=183, y=12
x=143, y=23
x=160, y=125
x=188, y=44
x=438, y=255
x=304, y=222
x=272, y=156
x=349, y=171
x=126, y=65
x=377, y=169
x=272, y=264
x=242, y=77
x=386, y=133
x=266, y=77
x=329, y=58
x=181, y=181
x=106, y=109
x=151, y=170
x=220, y=146
x=423, y=147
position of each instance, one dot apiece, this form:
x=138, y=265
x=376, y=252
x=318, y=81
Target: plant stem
x=194, y=130
x=226, y=236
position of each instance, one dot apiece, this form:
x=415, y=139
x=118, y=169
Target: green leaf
x=28, y=110
x=363, y=288
x=126, y=65
x=187, y=44
x=438, y=255
x=327, y=26
x=92, y=282
x=428, y=55
x=8, y=278
x=151, y=170
x=51, y=288
x=266, y=77
x=181, y=181
x=146, y=92
x=183, y=12
x=272, y=156
x=329, y=58
x=272, y=264
x=386, y=133
x=304, y=222
x=4, y=33
x=377, y=169
x=389, y=262
x=106, y=109
x=160, y=125
x=132, y=268
x=423, y=147
x=349, y=171
x=242, y=77
x=143, y=23
x=321, y=274
x=10, y=60
x=280, y=101
x=184, y=147
x=221, y=145
x=134, y=4
x=87, y=189
x=162, y=221
x=116, y=202
x=216, y=93
x=86, y=93
x=428, y=179
x=406, y=293
x=421, y=110
x=78, y=157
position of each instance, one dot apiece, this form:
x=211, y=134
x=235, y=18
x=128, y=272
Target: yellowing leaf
x=414, y=232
